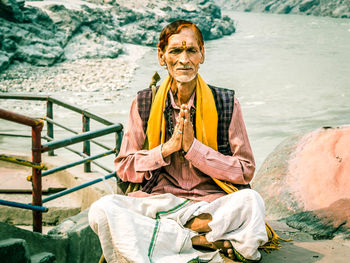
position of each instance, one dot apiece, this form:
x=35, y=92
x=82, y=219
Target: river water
x=291, y=74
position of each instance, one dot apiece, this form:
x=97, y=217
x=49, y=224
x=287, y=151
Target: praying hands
x=183, y=135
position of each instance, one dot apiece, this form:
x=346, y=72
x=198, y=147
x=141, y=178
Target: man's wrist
x=189, y=147
x=165, y=150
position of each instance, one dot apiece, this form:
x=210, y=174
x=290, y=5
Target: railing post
x=118, y=141
x=86, y=144
x=36, y=177
x=49, y=114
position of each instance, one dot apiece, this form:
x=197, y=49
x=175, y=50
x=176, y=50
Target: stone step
x=14, y=250
x=44, y=257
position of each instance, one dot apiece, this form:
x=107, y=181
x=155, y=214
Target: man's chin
x=185, y=78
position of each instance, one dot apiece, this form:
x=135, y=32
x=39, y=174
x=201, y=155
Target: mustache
x=183, y=68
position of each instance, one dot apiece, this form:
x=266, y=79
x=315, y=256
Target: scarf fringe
x=274, y=240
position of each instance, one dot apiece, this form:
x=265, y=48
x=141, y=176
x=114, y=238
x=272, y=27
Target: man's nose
x=183, y=59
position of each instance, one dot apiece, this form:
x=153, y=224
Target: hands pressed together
x=183, y=135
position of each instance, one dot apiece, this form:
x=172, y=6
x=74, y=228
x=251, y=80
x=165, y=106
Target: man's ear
x=203, y=55
x=161, y=58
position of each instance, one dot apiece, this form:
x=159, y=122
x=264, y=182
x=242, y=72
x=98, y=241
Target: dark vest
x=224, y=101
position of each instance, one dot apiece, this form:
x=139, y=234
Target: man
x=181, y=144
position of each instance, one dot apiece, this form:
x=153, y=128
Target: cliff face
x=331, y=8
x=45, y=32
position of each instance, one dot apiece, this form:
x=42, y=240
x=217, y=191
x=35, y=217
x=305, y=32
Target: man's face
x=182, y=56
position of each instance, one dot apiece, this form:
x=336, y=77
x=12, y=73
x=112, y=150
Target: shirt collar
x=190, y=102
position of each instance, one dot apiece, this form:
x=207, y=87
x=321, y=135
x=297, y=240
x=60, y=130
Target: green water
x=290, y=73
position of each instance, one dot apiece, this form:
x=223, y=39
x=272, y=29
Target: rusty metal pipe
x=19, y=118
x=36, y=177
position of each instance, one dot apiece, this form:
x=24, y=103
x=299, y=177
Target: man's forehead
x=186, y=36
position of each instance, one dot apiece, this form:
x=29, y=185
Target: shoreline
x=77, y=81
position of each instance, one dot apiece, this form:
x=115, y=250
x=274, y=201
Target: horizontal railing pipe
x=78, y=187
x=25, y=206
x=12, y=159
x=85, y=160
x=81, y=137
x=72, y=131
x=58, y=102
x=80, y=111
x=15, y=135
x=82, y=155
x=19, y=118
x=23, y=97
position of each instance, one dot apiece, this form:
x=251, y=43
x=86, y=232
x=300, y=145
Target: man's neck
x=184, y=91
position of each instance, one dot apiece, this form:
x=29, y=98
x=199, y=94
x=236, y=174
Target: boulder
x=39, y=54
x=308, y=4
x=55, y=32
x=331, y=8
x=5, y=60
x=89, y=45
x=306, y=181
x=12, y=9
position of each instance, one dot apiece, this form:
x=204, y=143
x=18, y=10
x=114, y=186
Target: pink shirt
x=188, y=177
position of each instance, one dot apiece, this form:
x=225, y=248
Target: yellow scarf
x=206, y=117
x=206, y=132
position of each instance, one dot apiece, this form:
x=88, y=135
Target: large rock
x=34, y=39
x=46, y=33
x=332, y=8
x=306, y=180
x=5, y=60
x=12, y=9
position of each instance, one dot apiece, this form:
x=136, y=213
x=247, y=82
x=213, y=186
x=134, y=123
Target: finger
x=183, y=106
x=187, y=114
x=181, y=123
x=182, y=113
x=179, y=126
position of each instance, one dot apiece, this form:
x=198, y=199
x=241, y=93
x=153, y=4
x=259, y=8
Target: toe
x=227, y=244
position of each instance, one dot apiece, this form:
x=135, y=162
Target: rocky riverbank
x=331, y=8
x=44, y=33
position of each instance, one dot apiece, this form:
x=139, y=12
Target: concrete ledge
x=14, y=250
x=71, y=241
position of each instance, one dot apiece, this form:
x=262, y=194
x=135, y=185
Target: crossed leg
x=200, y=225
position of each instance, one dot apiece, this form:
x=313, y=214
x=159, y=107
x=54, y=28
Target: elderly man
x=184, y=144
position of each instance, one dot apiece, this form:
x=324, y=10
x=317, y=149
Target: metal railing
x=86, y=137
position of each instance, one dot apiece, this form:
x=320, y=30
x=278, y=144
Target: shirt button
x=157, y=162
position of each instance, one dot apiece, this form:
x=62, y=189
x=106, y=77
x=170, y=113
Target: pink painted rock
x=306, y=180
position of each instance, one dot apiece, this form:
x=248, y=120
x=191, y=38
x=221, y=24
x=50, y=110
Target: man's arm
x=238, y=168
x=132, y=163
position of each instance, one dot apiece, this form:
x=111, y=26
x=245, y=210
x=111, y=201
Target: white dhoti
x=151, y=229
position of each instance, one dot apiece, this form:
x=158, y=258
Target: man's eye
x=175, y=51
x=192, y=50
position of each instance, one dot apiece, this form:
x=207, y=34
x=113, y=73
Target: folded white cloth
x=151, y=229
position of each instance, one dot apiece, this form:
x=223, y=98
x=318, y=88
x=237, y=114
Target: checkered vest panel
x=224, y=101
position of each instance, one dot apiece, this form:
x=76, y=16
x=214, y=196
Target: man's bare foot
x=200, y=223
x=224, y=246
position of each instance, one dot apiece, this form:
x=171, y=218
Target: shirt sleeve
x=238, y=168
x=132, y=163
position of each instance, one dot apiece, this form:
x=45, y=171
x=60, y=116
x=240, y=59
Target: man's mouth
x=183, y=69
